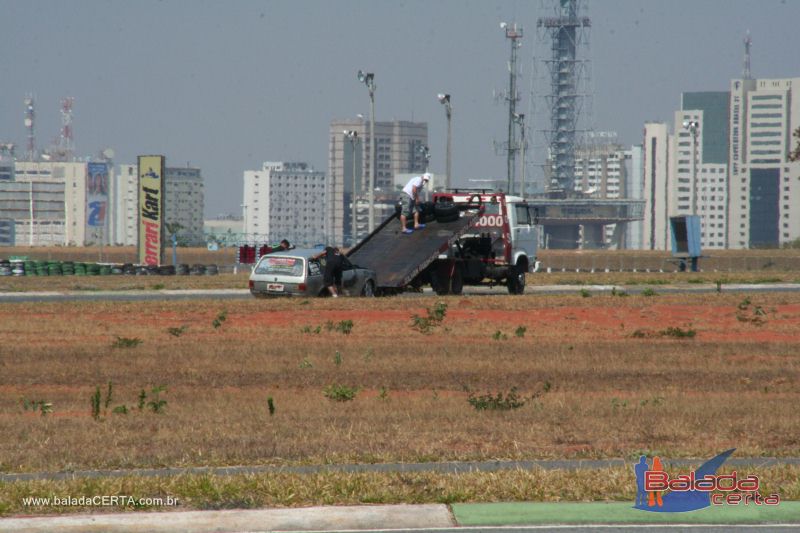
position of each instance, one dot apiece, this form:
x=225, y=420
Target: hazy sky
x=226, y=85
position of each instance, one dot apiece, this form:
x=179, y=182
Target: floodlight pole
x=444, y=99
x=368, y=79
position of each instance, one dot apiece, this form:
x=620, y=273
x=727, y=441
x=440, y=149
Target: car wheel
x=369, y=289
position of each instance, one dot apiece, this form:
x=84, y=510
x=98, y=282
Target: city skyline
x=227, y=86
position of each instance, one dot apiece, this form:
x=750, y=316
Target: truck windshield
x=281, y=266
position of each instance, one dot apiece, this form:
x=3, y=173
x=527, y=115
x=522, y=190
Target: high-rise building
x=700, y=163
x=656, y=190
x=184, y=201
x=399, y=149
x=764, y=190
x=285, y=201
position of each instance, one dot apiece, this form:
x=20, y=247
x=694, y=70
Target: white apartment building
x=285, y=201
x=764, y=193
x=47, y=202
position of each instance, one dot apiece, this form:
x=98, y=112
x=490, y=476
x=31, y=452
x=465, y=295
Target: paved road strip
x=442, y=467
x=506, y=514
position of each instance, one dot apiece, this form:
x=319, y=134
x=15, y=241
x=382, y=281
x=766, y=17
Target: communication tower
x=565, y=91
x=30, y=116
x=746, y=70
x=66, y=143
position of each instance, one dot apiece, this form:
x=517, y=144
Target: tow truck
x=471, y=238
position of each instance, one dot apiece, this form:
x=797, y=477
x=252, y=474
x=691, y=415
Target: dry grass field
x=338, y=381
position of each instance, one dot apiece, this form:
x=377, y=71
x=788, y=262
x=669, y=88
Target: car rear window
x=281, y=266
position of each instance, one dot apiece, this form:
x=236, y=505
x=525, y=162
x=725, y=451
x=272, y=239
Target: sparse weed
x=649, y=292
x=499, y=335
x=44, y=407
x=305, y=363
x=520, y=331
x=126, y=342
x=157, y=404
x=678, y=333
x=270, y=405
x=337, y=359
x=585, y=293
x=498, y=402
x=340, y=393
x=220, y=319
x=177, y=332
x=434, y=318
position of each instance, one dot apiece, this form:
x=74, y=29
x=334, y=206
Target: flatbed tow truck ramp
x=397, y=258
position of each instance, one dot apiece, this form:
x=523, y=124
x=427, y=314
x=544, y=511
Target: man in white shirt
x=409, y=200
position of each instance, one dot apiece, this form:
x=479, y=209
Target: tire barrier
x=72, y=268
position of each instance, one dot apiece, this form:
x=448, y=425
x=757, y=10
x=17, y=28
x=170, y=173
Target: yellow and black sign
x=151, y=209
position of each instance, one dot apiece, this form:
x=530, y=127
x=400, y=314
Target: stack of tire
x=5, y=268
x=212, y=270
x=68, y=268
x=445, y=212
x=182, y=269
x=80, y=269
x=198, y=270
x=166, y=270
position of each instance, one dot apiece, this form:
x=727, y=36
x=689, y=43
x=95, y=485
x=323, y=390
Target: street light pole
x=368, y=79
x=444, y=99
x=352, y=136
x=692, y=126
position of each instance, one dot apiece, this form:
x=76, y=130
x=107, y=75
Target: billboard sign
x=151, y=209
x=96, y=199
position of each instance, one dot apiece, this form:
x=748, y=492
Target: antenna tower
x=30, y=116
x=66, y=145
x=746, y=70
x=565, y=31
x=513, y=34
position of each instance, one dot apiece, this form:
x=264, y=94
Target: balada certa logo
x=658, y=492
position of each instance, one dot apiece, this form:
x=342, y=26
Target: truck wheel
x=457, y=281
x=515, y=280
x=440, y=281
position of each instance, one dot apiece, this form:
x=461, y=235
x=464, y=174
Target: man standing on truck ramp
x=409, y=200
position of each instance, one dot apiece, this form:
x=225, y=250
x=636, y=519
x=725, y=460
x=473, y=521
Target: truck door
x=523, y=232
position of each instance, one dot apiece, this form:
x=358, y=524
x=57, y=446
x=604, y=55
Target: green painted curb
x=506, y=514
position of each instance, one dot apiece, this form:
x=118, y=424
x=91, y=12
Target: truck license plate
x=275, y=287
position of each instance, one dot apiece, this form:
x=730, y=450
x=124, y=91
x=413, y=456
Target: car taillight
x=301, y=287
x=251, y=284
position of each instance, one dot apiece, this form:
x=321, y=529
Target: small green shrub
x=126, y=342
x=177, y=332
x=340, y=393
x=434, y=318
x=220, y=319
x=498, y=402
x=679, y=333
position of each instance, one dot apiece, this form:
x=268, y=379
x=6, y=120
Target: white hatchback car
x=299, y=272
